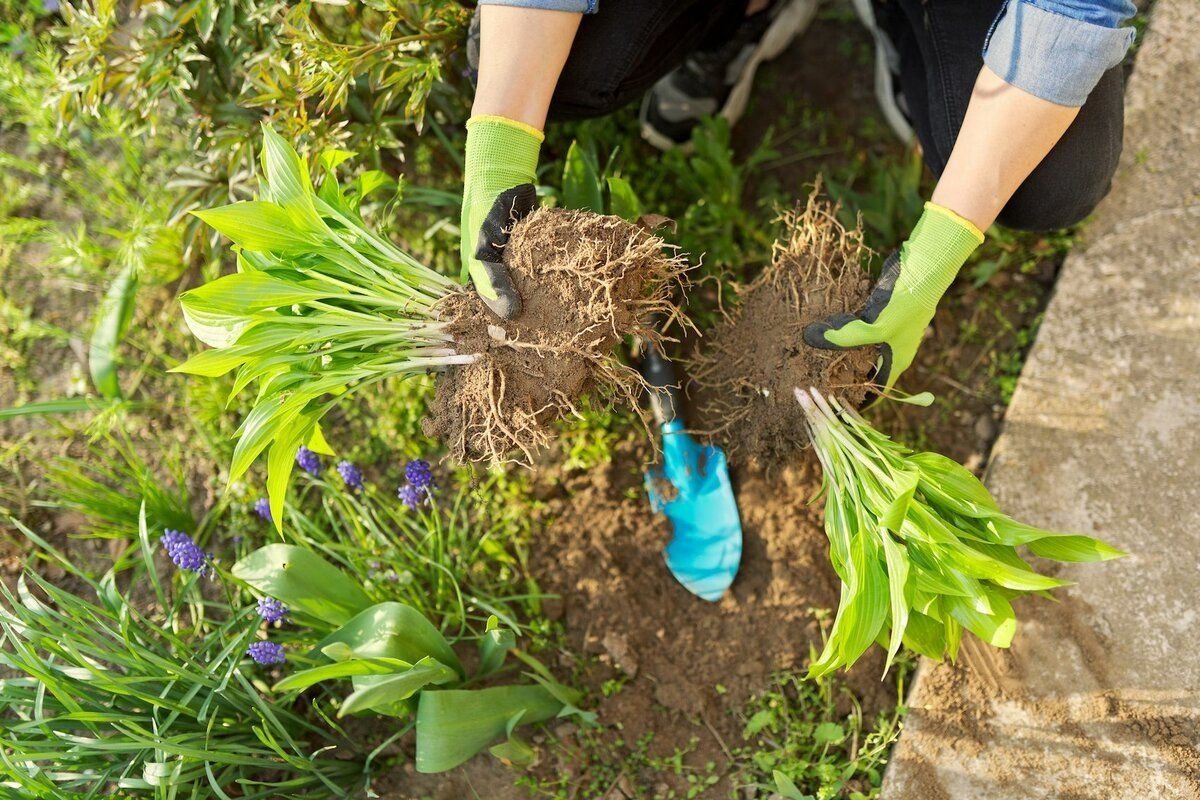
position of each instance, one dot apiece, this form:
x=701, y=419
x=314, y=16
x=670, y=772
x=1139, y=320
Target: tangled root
x=744, y=376
x=586, y=282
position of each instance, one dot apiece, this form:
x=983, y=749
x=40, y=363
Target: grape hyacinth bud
x=266, y=652
x=271, y=610
x=262, y=507
x=351, y=474
x=418, y=474
x=410, y=495
x=308, y=461
x=185, y=553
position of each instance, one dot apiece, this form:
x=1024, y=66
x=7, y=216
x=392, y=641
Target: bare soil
x=587, y=281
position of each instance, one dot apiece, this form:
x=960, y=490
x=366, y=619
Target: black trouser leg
x=940, y=43
x=623, y=49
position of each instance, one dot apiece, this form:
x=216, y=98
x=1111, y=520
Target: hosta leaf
x=1074, y=548
x=213, y=363
x=893, y=517
x=925, y=635
x=288, y=182
x=317, y=443
x=897, y=578
x=996, y=629
x=393, y=630
x=259, y=225
x=949, y=482
x=281, y=461
x=455, y=724
x=581, y=181
x=622, y=200
x=308, y=584
x=386, y=695
x=249, y=292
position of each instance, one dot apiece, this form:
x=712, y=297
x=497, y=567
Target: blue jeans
x=622, y=51
x=939, y=46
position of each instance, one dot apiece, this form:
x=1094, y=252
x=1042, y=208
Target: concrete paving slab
x=1100, y=695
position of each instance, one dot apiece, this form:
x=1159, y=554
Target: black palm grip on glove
x=881, y=294
x=511, y=206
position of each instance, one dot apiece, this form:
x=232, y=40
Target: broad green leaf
x=494, y=646
x=996, y=629
x=281, y=461
x=386, y=695
x=925, y=635
x=245, y=293
x=622, y=201
x=393, y=630
x=306, y=583
x=317, y=442
x=953, y=483
x=514, y=752
x=214, y=362
x=786, y=788
x=112, y=321
x=905, y=487
x=828, y=733
x=897, y=578
x=581, y=181
x=288, y=182
x=455, y=724
x=259, y=225
x=1074, y=548
x=257, y=431
x=340, y=669
x=216, y=329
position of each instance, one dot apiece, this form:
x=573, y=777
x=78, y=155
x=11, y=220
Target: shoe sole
x=783, y=30
x=885, y=81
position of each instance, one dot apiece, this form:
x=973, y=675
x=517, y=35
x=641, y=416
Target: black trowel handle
x=664, y=389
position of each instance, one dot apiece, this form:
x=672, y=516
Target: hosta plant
x=921, y=547
x=399, y=665
x=319, y=307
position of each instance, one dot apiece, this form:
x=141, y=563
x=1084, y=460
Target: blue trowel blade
x=692, y=489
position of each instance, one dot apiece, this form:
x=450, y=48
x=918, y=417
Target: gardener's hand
x=903, y=302
x=501, y=163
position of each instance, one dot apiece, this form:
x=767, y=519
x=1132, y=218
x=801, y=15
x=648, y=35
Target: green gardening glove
x=903, y=301
x=501, y=165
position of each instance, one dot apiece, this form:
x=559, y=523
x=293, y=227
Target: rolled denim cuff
x=574, y=6
x=1051, y=56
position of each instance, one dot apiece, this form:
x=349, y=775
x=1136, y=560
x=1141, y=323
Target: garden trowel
x=692, y=489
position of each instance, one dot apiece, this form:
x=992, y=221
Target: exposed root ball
x=586, y=282
x=745, y=374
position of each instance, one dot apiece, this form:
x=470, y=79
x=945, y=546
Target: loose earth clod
x=747, y=370
x=586, y=282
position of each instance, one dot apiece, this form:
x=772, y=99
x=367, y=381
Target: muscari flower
x=308, y=461
x=185, y=553
x=418, y=474
x=266, y=652
x=410, y=495
x=271, y=610
x=351, y=474
x=262, y=507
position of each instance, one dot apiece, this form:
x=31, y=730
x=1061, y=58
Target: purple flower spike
x=410, y=495
x=351, y=474
x=271, y=610
x=266, y=653
x=262, y=507
x=185, y=553
x=308, y=461
x=418, y=474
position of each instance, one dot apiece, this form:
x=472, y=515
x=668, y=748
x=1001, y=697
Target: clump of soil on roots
x=745, y=375
x=586, y=282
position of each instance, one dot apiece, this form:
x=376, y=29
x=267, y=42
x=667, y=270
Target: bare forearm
x=1007, y=132
x=521, y=54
